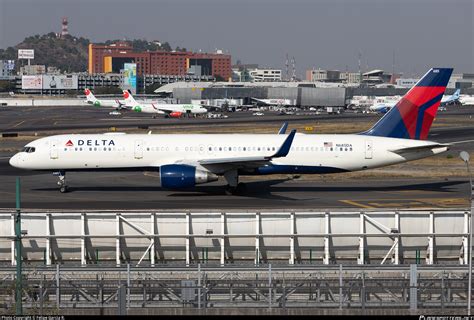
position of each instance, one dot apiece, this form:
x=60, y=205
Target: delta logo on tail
x=413, y=115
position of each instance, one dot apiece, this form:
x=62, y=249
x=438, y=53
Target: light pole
x=465, y=157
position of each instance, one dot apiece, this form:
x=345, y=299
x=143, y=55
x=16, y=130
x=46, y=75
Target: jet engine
x=175, y=114
x=179, y=176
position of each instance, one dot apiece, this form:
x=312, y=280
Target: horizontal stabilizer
x=420, y=148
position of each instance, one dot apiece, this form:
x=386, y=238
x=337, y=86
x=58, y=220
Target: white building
x=265, y=75
x=406, y=83
x=332, y=76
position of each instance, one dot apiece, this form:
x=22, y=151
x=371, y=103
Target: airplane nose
x=14, y=161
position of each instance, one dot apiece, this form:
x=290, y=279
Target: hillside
x=70, y=53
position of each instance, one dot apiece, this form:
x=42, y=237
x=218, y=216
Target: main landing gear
x=240, y=189
x=234, y=187
x=62, y=181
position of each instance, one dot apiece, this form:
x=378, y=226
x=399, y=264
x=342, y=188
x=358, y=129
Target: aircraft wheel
x=229, y=190
x=63, y=189
x=241, y=188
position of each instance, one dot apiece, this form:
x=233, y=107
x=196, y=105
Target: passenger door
x=368, y=149
x=53, y=149
x=138, y=149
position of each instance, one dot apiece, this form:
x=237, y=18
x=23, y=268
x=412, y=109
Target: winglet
x=285, y=147
x=283, y=128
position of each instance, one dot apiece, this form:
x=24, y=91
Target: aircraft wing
x=249, y=162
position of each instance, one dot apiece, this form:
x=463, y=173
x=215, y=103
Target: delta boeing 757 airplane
x=185, y=160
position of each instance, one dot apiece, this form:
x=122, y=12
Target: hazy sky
x=319, y=33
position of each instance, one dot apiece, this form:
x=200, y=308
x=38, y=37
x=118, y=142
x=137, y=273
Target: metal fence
x=386, y=289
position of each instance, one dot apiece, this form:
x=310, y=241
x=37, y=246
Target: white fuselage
x=308, y=153
x=106, y=103
x=466, y=100
x=163, y=108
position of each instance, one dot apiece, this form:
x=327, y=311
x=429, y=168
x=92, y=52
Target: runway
x=24, y=119
x=142, y=191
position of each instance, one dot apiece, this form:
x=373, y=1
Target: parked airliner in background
x=169, y=110
x=386, y=106
x=466, y=100
x=91, y=99
x=383, y=107
x=452, y=99
x=185, y=160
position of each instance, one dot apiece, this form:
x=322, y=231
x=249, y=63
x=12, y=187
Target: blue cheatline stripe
x=391, y=125
x=287, y=169
x=436, y=77
x=421, y=114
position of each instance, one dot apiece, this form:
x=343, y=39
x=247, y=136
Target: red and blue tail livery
x=412, y=116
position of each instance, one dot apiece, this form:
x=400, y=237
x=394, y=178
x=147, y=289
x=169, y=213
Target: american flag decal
x=328, y=144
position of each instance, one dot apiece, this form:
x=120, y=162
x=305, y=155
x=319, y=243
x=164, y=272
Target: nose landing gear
x=62, y=181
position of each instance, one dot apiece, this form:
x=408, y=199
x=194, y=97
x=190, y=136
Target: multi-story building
x=350, y=77
x=265, y=75
x=6, y=68
x=323, y=75
x=111, y=58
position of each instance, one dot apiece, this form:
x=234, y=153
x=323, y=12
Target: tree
x=7, y=85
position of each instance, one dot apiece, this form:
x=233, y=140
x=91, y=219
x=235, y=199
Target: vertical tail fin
x=457, y=93
x=91, y=98
x=412, y=116
x=128, y=98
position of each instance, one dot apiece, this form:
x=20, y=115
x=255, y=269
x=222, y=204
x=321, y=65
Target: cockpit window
x=28, y=149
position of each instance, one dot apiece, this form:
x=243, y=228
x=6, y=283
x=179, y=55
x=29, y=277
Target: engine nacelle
x=179, y=176
x=176, y=114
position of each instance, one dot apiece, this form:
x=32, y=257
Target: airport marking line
x=417, y=203
x=16, y=125
x=357, y=204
